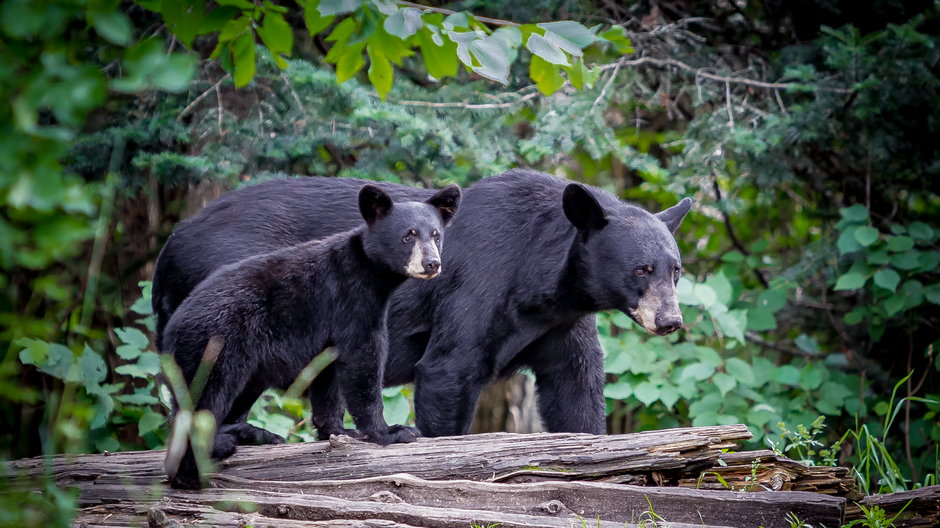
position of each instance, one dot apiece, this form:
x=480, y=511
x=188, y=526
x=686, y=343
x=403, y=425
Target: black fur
x=273, y=313
x=530, y=259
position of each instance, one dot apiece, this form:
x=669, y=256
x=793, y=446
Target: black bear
x=530, y=259
x=269, y=315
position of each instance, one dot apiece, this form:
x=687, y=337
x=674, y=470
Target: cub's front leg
x=359, y=371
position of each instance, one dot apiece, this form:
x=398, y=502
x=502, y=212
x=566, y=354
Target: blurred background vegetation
x=807, y=133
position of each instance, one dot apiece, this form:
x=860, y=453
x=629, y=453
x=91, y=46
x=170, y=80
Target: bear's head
x=628, y=257
x=407, y=237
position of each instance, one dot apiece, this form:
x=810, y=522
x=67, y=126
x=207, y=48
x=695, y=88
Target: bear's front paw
x=396, y=434
x=324, y=433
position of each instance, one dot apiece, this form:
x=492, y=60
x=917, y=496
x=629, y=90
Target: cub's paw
x=324, y=433
x=396, y=434
x=247, y=434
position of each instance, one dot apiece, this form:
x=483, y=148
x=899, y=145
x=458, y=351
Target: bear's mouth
x=424, y=275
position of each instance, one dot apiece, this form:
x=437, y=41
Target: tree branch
x=485, y=20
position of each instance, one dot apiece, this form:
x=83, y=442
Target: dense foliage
x=805, y=132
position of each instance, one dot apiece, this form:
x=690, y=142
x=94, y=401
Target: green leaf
x=240, y=4
x=132, y=336
x=243, y=55
x=381, y=74
x=761, y=319
x=811, y=376
x=705, y=294
x=617, y=35
x=93, y=369
x=440, y=60
x=276, y=34
x=855, y=316
x=646, y=392
x=546, y=75
x=887, y=279
x=741, y=370
x=866, y=235
x=722, y=287
x=932, y=293
x=314, y=20
x=786, y=375
x=456, y=20
x=898, y=244
x=113, y=26
x=216, y=19
x=350, y=62
x=732, y=323
x=807, y=344
x=847, y=242
x=878, y=258
x=697, y=371
x=850, y=281
x=403, y=23
x=184, y=19
x=146, y=366
x=854, y=213
x=545, y=50
x=619, y=390
x=920, y=231
x=568, y=35
x=149, y=422
x=579, y=75
x=669, y=395
x=773, y=300
x=724, y=382
x=396, y=409
x=907, y=260
x=177, y=72
x=338, y=7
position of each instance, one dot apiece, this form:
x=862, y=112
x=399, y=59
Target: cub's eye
x=644, y=270
x=677, y=273
x=410, y=236
x=436, y=235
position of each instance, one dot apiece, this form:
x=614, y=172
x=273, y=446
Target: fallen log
x=918, y=508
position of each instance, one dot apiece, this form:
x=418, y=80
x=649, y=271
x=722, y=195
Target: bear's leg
x=227, y=379
x=327, y=405
x=359, y=373
x=447, y=387
x=568, y=363
x=235, y=424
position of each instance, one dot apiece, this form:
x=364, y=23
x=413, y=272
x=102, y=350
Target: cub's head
x=407, y=236
x=628, y=259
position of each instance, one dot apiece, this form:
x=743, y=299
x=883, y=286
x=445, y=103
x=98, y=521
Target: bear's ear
x=374, y=203
x=673, y=216
x=446, y=202
x=582, y=208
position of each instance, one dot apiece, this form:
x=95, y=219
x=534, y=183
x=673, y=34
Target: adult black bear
x=269, y=315
x=530, y=259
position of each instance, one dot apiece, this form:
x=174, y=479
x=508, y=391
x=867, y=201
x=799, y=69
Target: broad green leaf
x=619, y=390
x=545, y=50
x=807, y=344
x=579, y=75
x=340, y=35
x=773, y=300
x=440, y=61
x=697, y=371
x=243, y=55
x=314, y=20
x=866, y=235
x=847, y=242
x=705, y=294
x=381, y=74
x=850, y=281
x=216, y=19
x=184, y=19
x=732, y=324
x=396, y=409
x=114, y=26
x=811, y=376
x=887, y=279
x=685, y=292
x=724, y=382
x=350, y=62
x=760, y=319
x=740, y=370
x=456, y=20
x=646, y=392
x=93, y=369
x=276, y=34
x=787, y=375
x=132, y=336
x=140, y=397
x=932, y=293
x=149, y=422
x=907, y=260
x=568, y=35
x=338, y=7
x=722, y=287
x=146, y=366
x=878, y=258
x=854, y=213
x=177, y=72
x=240, y=4
x=386, y=7
x=234, y=28
x=403, y=23
x=855, y=316
x=669, y=395
x=898, y=244
x=920, y=231
x=546, y=75
x=617, y=36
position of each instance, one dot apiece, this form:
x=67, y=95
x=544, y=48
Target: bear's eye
x=644, y=270
x=409, y=237
x=436, y=235
x=677, y=273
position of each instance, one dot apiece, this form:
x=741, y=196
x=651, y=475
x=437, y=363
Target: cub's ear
x=582, y=209
x=446, y=202
x=673, y=216
x=374, y=203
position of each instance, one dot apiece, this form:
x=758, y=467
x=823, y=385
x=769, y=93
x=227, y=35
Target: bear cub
x=258, y=322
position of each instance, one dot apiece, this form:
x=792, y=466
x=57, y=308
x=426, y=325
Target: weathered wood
x=660, y=457
x=227, y=507
x=773, y=473
x=921, y=507
x=588, y=500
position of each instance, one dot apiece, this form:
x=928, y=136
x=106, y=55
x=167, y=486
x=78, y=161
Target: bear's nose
x=667, y=324
x=431, y=265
